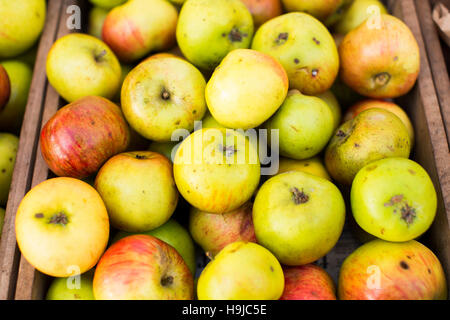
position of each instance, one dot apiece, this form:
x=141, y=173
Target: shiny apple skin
x=81, y=136
x=135, y=267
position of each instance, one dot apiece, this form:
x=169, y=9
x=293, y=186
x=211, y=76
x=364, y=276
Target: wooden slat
x=31, y=283
x=436, y=59
x=25, y=156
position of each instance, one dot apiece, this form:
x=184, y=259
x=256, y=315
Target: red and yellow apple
x=81, y=136
x=5, y=87
x=263, y=10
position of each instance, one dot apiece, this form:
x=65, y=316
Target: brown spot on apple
x=166, y=281
x=282, y=38
x=404, y=265
x=299, y=197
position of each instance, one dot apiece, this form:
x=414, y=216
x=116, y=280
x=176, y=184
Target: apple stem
x=99, y=56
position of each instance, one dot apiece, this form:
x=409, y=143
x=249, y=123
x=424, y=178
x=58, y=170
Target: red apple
x=263, y=10
x=214, y=231
x=5, y=88
x=307, y=282
x=142, y=267
x=81, y=136
x=382, y=270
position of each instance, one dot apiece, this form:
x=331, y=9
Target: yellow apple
x=314, y=166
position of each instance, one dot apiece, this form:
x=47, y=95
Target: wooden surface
x=25, y=156
x=431, y=151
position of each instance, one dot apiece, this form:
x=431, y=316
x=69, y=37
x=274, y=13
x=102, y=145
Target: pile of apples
x=18, y=47
x=204, y=81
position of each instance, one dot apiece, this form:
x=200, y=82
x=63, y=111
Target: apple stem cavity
x=99, y=57
x=59, y=218
x=298, y=196
x=165, y=95
x=382, y=79
x=166, y=281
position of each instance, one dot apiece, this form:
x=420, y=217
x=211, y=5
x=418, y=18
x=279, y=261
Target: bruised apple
x=308, y=282
x=138, y=190
x=372, y=135
x=298, y=217
x=81, y=136
x=371, y=70
x=237, y=93
x=393, y=199
x=208, y=30
x=263, y=10
x=5, y=87
x=242, y=271
x=138, y=27
x=142, y=267
x=217, y=170
x=213, y=231
x=308, y=54
x=381, y=270
x=356, y=109
x=62, y=227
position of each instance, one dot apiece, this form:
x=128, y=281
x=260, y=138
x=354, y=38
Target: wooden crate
x=431, y=151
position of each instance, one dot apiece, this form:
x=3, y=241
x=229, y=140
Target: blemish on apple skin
x=39, y=215
x=296, y=61
x=315, y=73
x=404, y=265
x=316, y=41
x=412, y=172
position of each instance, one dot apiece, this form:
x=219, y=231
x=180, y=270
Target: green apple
x=139, y=27
x=394, y=199
x=217, y=170
x=138, y=190
x=299, y=217
x=305, y=125
x=162, y=95
x=337, y=15
x=208, y=30
x=242, y=271
x=72, y=288
x=8, y=150
x=107, y=4
x=20, y=75
x=174, y=234
x=358, y=12
x=80, y=65
x=21, y=23
x=308, y=53
x=372, y=135
x=334, y=105
x=97, y=16
x=238, y=94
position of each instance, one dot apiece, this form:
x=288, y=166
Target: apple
x=372, y=135
x=125, y=70
x=356, y=109
x=138, y=190
x=242, y=271
x=371, y=70
x=162, y=95
x=298, y=217
x=80, y=65
x=333, y=103
x=20, y=75
x=213, y=232
x=208, y=121
x=358, y=12
x=237, y=93
x=308, y=54
x=208, y=30
x=107, y=4
x=9, y=144
x=338, y=14
x=138, y=27
x=175, y=235
x=142, y=267
x=314, y=166
x=2, y=220
x=263, y=10
x=393, y=199
x=216, y=170
x=72, y=288
x=381, y=270
x=167, y=149
x=97, y=16
x=62, y=226
x=305, y=124
x=308, y=282
x=81, y=136
x=21, y=22
x=321, y=9
x=5, y=87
